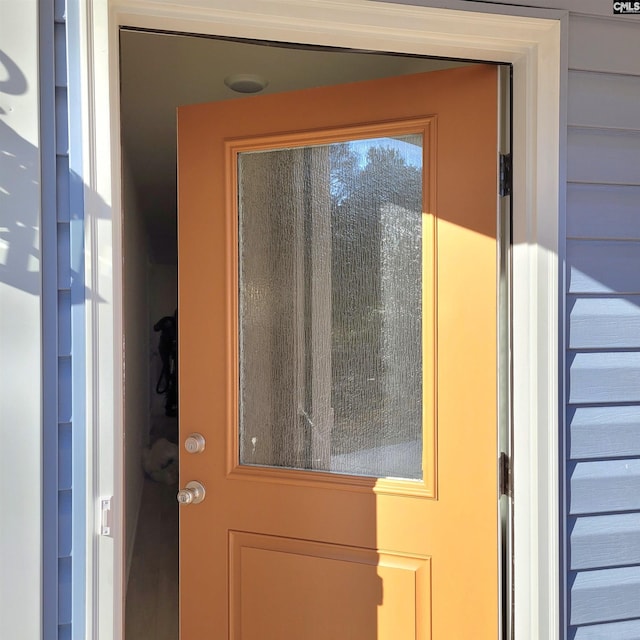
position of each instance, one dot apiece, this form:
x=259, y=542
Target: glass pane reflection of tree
x=331, y=261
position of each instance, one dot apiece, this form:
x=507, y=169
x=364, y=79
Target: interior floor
x=152, y=594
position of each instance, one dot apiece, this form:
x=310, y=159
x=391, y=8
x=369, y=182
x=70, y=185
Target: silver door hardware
x=193, y=493
x=194, y=443
x=106, y=517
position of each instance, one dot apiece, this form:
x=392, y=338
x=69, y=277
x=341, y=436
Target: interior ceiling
x=160, y=72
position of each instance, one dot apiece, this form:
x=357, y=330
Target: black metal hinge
x=505, y=475
x=505, y=174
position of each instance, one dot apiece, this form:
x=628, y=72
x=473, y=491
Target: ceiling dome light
x=245, y=83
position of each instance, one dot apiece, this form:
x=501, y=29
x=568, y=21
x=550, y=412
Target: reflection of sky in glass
x=352, y=157
x=409, y=147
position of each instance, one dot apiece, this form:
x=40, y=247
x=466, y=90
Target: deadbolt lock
x=194, y=443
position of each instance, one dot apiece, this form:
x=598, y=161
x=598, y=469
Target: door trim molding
x=535, y=44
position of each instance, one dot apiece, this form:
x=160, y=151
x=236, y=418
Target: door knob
x=194, y=443
x=193, y=493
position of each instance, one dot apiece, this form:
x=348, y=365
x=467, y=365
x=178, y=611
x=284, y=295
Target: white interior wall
x=150, y=294
x=136, y=374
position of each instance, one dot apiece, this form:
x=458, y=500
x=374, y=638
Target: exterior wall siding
x=63, y=334
x=603, y=330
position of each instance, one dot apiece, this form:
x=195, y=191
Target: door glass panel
x=330, y=266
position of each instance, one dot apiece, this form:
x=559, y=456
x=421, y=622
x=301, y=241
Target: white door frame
x=535, y=45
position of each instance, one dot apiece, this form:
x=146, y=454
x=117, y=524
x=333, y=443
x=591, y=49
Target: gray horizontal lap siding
x=63, y=303
x=59, y=288
x=603, y=330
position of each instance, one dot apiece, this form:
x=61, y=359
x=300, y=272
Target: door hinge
x=505, y=475
x=505, y=174
x=106, y=517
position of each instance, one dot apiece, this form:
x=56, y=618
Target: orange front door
x=337, y=305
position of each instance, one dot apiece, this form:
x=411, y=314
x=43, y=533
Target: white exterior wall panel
x=20, y=324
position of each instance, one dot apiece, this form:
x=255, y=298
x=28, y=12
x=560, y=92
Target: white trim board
x=533, y=47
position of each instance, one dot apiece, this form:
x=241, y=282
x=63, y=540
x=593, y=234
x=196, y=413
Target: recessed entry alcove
x=158, y=73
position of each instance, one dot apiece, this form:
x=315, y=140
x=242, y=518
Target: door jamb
x=534, y=42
